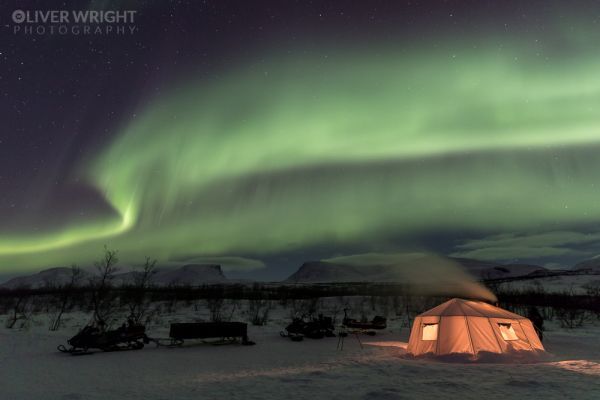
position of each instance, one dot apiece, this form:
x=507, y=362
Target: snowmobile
x=126, y=337
x=310, y=327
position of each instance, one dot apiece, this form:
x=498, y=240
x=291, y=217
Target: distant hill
x=491, y=270
x=190, y=274
x=591, y=265
x=49, y=277
x=324, y=271
x=327, y=272
x=473, y=265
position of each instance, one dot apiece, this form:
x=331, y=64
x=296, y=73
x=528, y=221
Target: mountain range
x=189, y=274
x=323, y=271
x=309, y=272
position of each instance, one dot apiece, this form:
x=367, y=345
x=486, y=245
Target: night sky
x=262, y=134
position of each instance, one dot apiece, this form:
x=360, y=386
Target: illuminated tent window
x=430, y=331
x=507, y=332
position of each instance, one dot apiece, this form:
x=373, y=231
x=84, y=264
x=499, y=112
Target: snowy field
x=277, y=368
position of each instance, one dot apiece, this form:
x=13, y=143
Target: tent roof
x=470, y=308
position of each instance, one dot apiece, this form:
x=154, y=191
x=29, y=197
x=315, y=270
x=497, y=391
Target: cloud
x=507, y=246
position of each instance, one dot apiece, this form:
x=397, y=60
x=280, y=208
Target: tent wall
x=531, y=334
x=415, y=337
x=483, y=336
x=416, y=345
x=512, y=345
x=453, y=336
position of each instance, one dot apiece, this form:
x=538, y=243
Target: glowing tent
x=472, y=328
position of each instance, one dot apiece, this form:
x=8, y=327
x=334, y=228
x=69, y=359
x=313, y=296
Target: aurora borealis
x=379, y=146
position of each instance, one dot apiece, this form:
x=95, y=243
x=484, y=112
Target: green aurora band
x=358, y=146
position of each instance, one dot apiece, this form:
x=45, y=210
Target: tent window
x=430, y=331
x=507, y=331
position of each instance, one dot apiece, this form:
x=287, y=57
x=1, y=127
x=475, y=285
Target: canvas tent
x=471, y=328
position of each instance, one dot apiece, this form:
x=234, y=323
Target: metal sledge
x=224, y=332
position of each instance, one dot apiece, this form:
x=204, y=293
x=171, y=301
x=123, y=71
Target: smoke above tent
x=423, y=273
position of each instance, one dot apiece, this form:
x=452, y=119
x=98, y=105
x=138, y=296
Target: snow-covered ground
x=276, y=368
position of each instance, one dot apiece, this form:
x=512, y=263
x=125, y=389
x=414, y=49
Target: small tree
x=592, y=288
x=103, y=298
x=571, y=317
x=407, y=303
x=20, y=307
x=64, y=296
x=299, y=307
x=258, y=311
x=215, y=306
x=139, y=304
x=570, y=314
x=234, y=304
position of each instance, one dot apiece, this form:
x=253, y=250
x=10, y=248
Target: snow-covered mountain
x=475, y=267
x=591, y=265
x=52, y=277
x=189, y=274
x=491, y=270
x=323, y=271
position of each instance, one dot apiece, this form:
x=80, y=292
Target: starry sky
x=262, y=134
